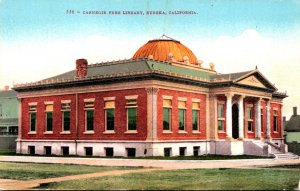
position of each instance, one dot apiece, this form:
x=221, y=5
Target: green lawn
x=202, y=179
x=30, y=171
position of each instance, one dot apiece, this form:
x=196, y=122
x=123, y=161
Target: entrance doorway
x=235, y=121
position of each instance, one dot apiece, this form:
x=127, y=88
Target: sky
x=42, y=38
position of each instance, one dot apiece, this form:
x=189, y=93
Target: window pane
x=195, y=119
x=275, y=123
x=32, y=121
x=249, y=125
x=110, y=119
x=166, y=122
x=89, y=120
x=181, y=113
x=249, y=113
x=220, y=111
x=66, y=121
x=49, y=121
x=220, y=125
x=131, y=112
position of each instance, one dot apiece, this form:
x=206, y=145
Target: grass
x=30, y=171
x=202, y=179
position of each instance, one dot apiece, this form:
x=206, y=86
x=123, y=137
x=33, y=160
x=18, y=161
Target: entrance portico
x=243, y=116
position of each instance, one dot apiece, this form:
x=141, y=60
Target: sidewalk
x=168, y=164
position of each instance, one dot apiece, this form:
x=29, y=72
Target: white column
x=152, y=113
x=229, y=116
x=241, y=117
x=19, y=143
x=268, y=120
x=258, y=119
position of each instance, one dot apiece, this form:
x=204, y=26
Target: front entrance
x=235, y=121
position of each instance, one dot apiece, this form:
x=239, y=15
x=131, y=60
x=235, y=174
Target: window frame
x=221, y=118
x=183, y=109
x=169, y=108
x=106, y=109
x=275, y=122
x=32, y=110
x=250, y=120
x=65, y=108
x=128, y=106
x=196, y=109
x=89, y=106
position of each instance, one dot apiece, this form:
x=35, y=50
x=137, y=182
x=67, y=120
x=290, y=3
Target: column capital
x=242, y=96
x=152, y=90
x=229, y=95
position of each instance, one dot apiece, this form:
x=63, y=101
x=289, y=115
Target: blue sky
x=38, y=39
x=40, y=19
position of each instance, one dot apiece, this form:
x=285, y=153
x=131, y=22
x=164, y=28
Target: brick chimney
x=81, y=68
x=295, y=111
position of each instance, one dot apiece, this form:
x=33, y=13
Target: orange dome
x=166, y=50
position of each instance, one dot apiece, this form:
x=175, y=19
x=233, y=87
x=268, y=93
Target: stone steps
x=285, y=156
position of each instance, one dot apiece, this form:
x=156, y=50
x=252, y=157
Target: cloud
x=277, y=59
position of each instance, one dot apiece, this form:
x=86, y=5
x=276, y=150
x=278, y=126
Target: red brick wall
x=99, y=117
x=175, y=135
x=277, y=134
x=41, y=118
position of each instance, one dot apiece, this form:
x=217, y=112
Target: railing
x=277, y=147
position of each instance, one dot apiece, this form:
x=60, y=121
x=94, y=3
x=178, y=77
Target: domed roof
x=166, y=49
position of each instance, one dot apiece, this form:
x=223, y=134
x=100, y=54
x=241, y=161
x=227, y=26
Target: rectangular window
x=249, y=115
x=196, y=150
x=49, y=121
x=33, y=121
x=275, y=120
x=32, y=115
x=167, y=119
x=195, y=120
x=89, y=114
x=131, y=105
x=49, y=117
x=261, y=119
x=195, y=115
x=181, y=115
x=88, y=151
x=66, y=112
x=66, y=120
x=182, y=151
x=47, y=150
x=131, y=152
x=109, y=151
x=181, y=120
x=221, y=117
x=167, y=112
x=31, y=150
x=131, y=118
x=89, y=118
x=109, y=115
x=65, y=151
x=167, y=152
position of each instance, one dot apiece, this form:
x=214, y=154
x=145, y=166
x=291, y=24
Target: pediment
x=252, y=81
